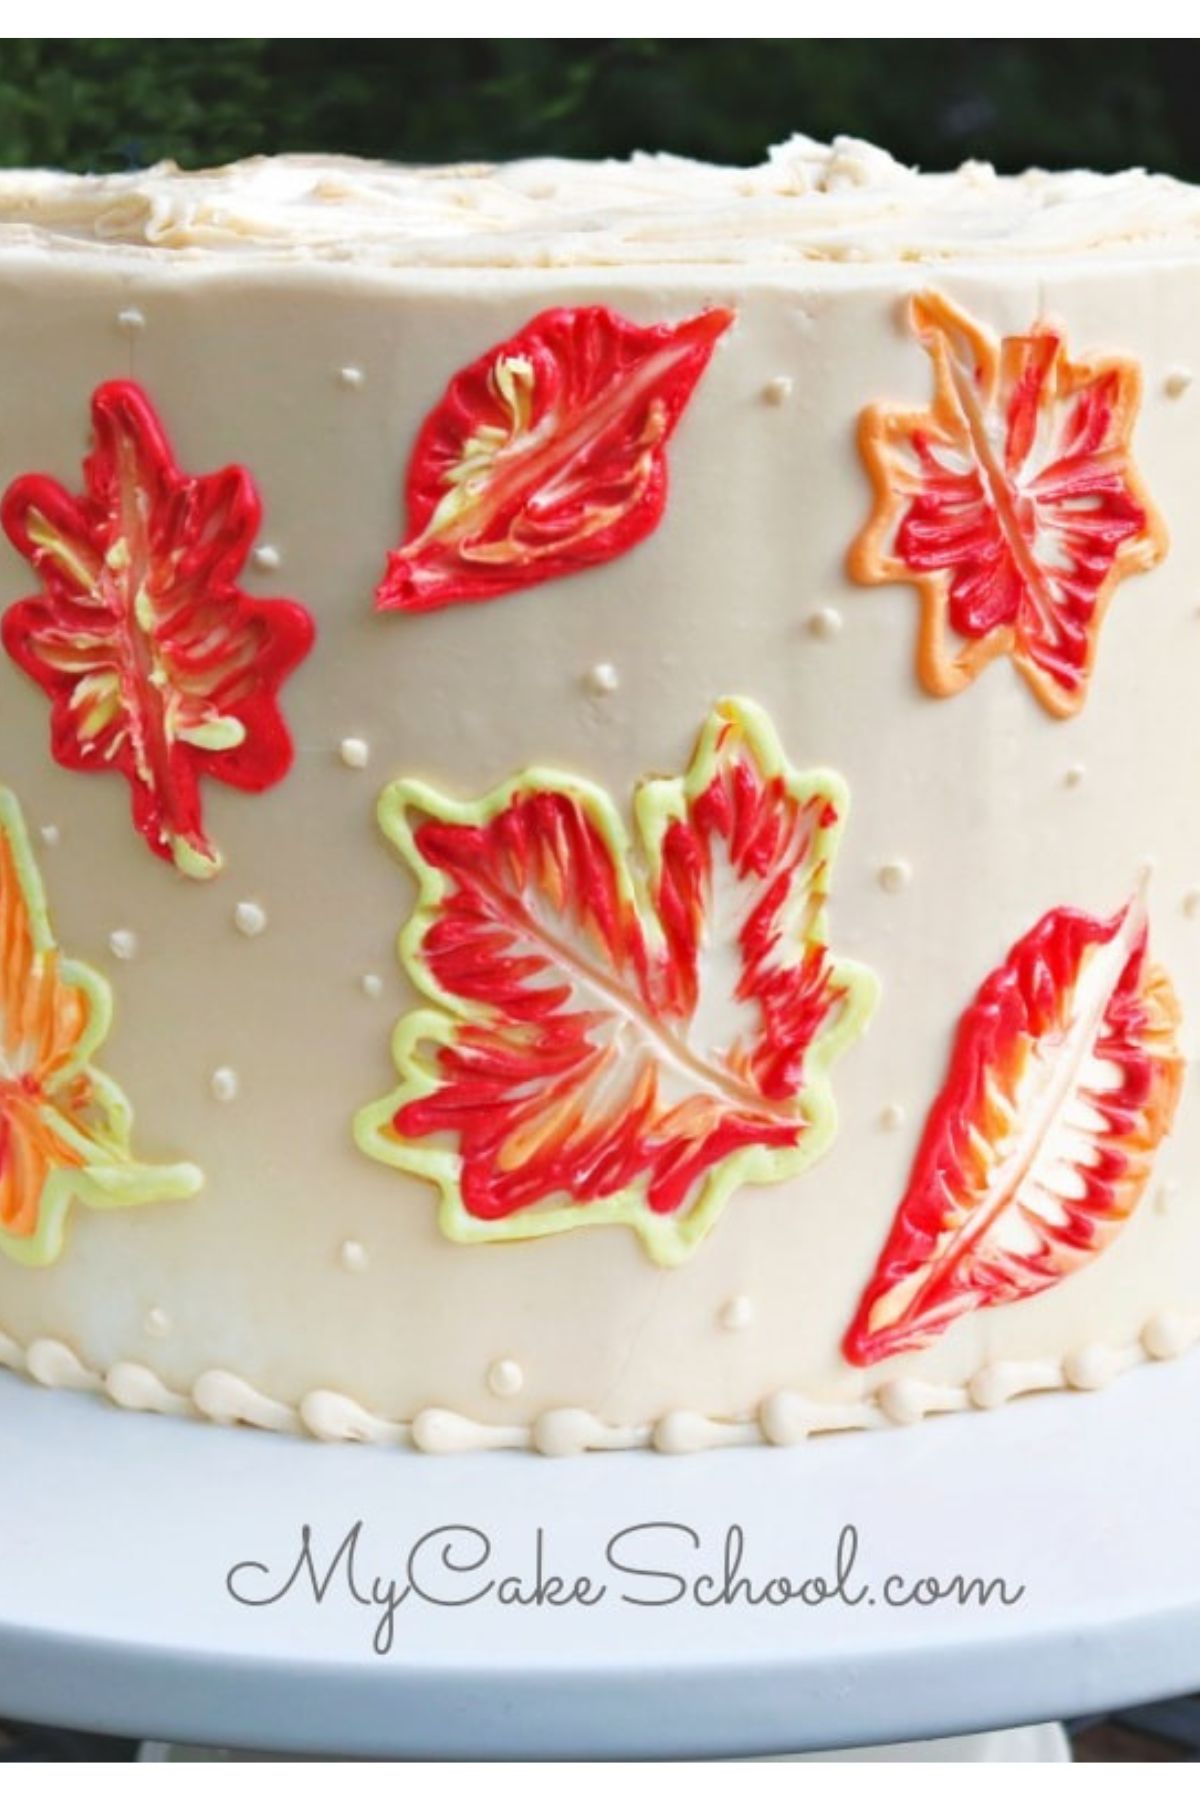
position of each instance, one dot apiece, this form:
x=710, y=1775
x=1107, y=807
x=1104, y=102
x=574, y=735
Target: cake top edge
x=807, y=202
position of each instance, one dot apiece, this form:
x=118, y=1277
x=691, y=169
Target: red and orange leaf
x=545, y=456
x=1064, y=1078
x=156, y=663
x=1012, y=503
x=619, y=1037
x=64, y=1126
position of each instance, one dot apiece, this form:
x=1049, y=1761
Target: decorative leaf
x=1064, y=1078
x=1012, y=503
x=609, y=1042
x=155, y=661
x=64, y=1127
x=546, y=455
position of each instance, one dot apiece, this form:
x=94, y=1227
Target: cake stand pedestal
x=119, y=1532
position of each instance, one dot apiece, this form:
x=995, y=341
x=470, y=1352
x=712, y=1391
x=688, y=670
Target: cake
x=597, y=839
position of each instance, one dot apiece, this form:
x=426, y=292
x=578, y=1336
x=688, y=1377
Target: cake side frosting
x=568, y=541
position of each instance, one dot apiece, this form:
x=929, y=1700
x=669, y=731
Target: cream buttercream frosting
x=846, y=201
x=301, y=318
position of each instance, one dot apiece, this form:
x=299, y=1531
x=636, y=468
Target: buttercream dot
x=224, y=1084
x=1074, y=775
x=351, y=376
x=988, y=1388
x=1177, y=382
x=372, y=986
x=825, y=623
x=1191, y=903
x=123, y=944
x=131, y=320
x=50, y=835
x=156, y=1323
x=602, y=678
x=902, y=1401
x=353, y=1257
x=266, y=557
x=737, y=1314
x=250, y=918
x=506, y=1377
x=895, y=876
x=1166, y=1336
x=892, y=1117
x=355, y=752
x=784, y=1419
x=1164, y=1194
x=1089, y=1368
x=778, y=390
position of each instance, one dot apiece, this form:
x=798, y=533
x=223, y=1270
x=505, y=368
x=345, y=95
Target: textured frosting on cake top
x=807, y=202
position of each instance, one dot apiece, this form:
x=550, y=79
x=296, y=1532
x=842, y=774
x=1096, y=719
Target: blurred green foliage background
x=107, y=103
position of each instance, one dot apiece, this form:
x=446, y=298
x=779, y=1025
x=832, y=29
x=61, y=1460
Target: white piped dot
x=131, y=320
x=506, y=1377
x=737, y=1314
x=892, y=1117
x=1074, y=775
x=778, y=390
x=372, y=986
x=1165, y=1194
x=602, y=679
x=123, y=944
x=51, y=835
x=266, y=557
x=250, y=918
x=156, y=1323
x=825, y=623
x=1177, y=382
x=224, y=1084
x=353, y=1257
x=1191, y=904
x=355, y=752
x=350, y=376
x=895, y=876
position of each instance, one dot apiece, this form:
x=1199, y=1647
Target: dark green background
x=108, y=103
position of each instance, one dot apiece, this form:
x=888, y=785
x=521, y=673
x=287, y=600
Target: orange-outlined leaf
x=156, y=663
x=1012, y=503
x=619, y=1034
x=64, y=1127
x=546, y=455
x=1064, y=1078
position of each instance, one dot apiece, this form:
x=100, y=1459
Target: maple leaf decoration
x=1012, y=503
x=545, y=456
x=1063, y=1080
x=619, y=1034
x=64, y=1127
x=155, y=661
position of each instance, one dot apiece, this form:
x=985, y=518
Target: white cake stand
x=118, y=1532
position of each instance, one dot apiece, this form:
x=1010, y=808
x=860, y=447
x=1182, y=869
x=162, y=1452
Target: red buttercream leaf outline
x=156, y=663
x=1063, y=1080
x=1012, y=504
x=619, y=1034
x=546, y=455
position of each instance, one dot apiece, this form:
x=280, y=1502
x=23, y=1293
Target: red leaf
x=610, y=1046
x=1064, y=1078
x=1012, y=503
x=155, y=661
x=545, y=456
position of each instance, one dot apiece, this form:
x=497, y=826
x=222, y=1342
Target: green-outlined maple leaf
x=620, y=1031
